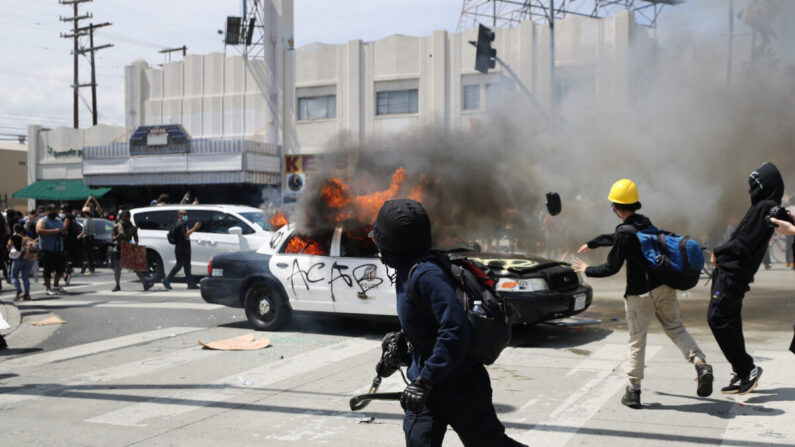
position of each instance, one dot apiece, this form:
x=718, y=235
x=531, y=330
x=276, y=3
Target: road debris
x=48, y=321
x=242, y=343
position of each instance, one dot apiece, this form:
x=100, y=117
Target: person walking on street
x=736, y=262
x=645, y=296
x=181, y=236
x=50, y=231
x=125, y=231
x=5, y=232
x=26, y=249
x=86, y=237
x=447, y=387
x=69, y=240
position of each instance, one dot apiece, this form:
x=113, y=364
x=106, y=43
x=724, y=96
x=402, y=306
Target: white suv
x=224, y=228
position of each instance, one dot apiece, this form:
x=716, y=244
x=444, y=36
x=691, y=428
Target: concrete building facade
x=225, y=120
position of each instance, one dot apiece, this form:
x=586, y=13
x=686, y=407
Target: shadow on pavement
x=65, y=393
x=716, y=407
x=774, y=395
x=15, y=351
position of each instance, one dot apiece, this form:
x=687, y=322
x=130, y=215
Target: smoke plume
x=687, y=137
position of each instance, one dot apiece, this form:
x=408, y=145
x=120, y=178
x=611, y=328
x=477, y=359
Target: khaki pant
x=661, y=302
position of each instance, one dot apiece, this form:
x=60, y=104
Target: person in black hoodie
x=735, y=263
x=447, y=387
x=645, y=296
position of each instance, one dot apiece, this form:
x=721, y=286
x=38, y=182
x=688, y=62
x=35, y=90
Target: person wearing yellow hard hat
x=645, y=295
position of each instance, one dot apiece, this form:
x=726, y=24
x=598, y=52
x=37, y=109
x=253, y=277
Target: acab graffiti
x=362, y=278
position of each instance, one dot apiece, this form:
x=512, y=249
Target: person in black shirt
x=736, y=262
x=645, y=296
x=125, y=231
x=182, y=249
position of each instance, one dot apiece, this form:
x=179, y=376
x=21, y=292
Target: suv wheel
x=154, y=266
x=266, y=309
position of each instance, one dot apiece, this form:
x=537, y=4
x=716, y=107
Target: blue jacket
x=440, y=346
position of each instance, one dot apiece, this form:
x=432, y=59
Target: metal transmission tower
x=508, y=13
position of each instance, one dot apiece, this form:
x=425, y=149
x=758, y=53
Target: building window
x=397, y=101
x=492, y=95
x=470, y=97
x=317, y=107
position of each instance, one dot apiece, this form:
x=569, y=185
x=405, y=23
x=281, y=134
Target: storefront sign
x=165, y=139
x=63, y=154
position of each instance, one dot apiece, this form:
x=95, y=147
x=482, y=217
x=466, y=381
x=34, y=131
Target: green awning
x=59, y=190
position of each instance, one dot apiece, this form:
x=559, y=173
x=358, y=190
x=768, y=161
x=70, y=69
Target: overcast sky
x=36, y=75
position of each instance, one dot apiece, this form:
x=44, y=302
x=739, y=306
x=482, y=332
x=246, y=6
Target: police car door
x=360, y=283
x=303, y=265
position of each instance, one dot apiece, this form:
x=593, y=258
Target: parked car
x=224, y=228
x=102, y=246
x=339, y=272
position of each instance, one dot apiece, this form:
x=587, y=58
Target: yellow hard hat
x=624, y=192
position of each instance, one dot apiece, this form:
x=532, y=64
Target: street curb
x=12, y=316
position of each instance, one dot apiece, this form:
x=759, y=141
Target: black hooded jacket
x=626, y=246
x=740, y=256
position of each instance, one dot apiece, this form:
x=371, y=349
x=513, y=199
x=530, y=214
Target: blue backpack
x=674, y=260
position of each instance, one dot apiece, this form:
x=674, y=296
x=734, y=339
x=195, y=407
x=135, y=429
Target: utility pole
x=552, y=86
x=75, y=19
x=731, y=42
x=92, y=49
x=168, y=51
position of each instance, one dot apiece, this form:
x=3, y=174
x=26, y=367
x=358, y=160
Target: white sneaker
x=60, y=289
x=51, y=292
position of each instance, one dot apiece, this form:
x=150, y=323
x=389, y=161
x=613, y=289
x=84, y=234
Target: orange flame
x=305, y=246
x=278, y=220
x=337, y=197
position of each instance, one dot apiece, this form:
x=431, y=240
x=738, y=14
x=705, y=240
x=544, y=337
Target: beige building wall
x=13, y=174
x=593, y=62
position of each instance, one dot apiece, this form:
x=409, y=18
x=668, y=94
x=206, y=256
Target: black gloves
x=415, y=394
x=395, y=349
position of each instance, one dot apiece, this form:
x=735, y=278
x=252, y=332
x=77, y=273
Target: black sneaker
x=733, y=387
x=116, y=289
x=147, y=286
x=704, y=373
x=166, y=284
x=749, y=383
x=631, y=398
x=3, y=343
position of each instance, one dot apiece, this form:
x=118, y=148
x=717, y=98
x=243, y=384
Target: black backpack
x=172, y=235
x=490, y=333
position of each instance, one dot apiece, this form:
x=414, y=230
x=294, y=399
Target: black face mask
x=52, y=215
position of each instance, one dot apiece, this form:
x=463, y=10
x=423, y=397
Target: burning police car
x=339, y=272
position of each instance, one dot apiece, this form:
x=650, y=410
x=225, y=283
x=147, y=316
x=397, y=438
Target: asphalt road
x=126, y=369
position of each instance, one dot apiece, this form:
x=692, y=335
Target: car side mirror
x=236, y=231
x=553, y=203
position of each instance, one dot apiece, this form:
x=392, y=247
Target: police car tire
x=278, y=314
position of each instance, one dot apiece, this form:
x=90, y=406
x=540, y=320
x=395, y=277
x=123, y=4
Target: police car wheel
x=266, y=309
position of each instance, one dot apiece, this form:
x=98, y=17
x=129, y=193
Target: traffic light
x=486, y=56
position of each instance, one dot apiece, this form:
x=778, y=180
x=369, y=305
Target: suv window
x=356, y=244
x=155, y=220
x=219, y=222
x=319, y=245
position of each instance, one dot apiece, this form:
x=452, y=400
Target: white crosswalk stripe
x=304, y=396
x=266, y=375
x=94, y=348
x=136, y=304
x=139, y=367
x=581, y=405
